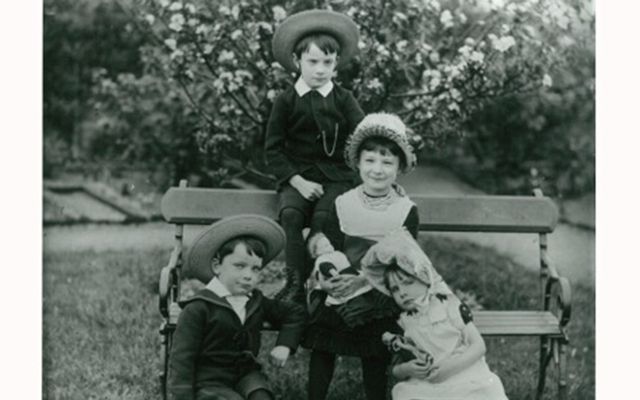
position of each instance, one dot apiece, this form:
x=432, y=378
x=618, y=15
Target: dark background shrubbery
x=114, y=101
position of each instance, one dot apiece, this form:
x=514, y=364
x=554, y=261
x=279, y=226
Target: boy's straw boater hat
x=401, y=249
x=207, y=244
x=299, y=25
x=385, y=125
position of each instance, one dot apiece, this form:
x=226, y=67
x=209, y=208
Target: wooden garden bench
x=509, y=214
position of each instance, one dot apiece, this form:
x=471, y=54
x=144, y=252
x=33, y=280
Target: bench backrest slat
x=437, y=213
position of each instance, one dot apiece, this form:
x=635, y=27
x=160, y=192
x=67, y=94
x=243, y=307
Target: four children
x=311, y=148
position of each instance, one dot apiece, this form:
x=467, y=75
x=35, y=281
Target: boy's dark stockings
x=322, y=365
x=298, y=263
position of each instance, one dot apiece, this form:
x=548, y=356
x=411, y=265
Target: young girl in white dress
x=436, y=321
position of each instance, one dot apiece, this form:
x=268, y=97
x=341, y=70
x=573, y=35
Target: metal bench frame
x=510, y=214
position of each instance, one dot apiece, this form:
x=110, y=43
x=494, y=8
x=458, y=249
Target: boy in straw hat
x=308, y=128
x=435, y=321
x=217, y=338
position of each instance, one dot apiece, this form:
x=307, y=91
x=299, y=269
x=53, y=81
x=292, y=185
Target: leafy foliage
x=79, y=36
x=441, y=65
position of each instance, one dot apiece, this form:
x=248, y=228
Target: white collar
x=302, y=88
x=218, y=288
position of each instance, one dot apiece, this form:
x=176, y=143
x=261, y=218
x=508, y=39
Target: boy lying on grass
x=217, y=338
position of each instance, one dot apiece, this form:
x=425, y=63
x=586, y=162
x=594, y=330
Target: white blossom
x=171, y=43
x=446, y=19
x=191, y=8
x=208, y=48
x=235, y=11
x=279, y=13
x=164, y=3
x=202, y=29
x=176, y=54
x=176, y=22
x=150, y=19
x=454, y=107
x=477, y=56
x=226, y=55
x=175, y=6
x=374, y=84
x=236, y=34
x=271, y=94
x=547, y=81
x=503, y=43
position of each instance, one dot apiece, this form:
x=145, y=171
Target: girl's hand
x=308, y=189
x=438, y=372
x=349, y=284
x=331, y=285
x=412, y=369
x=279, y=355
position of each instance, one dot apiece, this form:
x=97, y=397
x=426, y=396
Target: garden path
x=571, y=247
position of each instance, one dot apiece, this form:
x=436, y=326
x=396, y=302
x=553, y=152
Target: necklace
x=335, y=142
x=376, y=202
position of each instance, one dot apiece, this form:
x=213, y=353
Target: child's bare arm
x=455, y=364
x=411, y=369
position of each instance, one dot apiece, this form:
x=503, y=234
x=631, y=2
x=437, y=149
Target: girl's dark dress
x=357, y=222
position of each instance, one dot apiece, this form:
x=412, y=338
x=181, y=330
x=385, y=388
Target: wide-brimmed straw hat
x=385, y=125
x=401, y=249
x=207, y=244
x=299, y=25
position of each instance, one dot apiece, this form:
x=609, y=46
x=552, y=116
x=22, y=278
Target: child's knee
x=292, y=218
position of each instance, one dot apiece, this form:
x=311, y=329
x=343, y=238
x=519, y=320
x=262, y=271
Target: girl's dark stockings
x=322, y=365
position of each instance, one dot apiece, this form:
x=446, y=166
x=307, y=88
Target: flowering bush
x=436, y=63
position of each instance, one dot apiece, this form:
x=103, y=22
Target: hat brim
x=398, y=248
x=301, y=24
x=351, y=148
x=207, y=244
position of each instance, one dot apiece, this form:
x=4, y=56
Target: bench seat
x=517, y=323
x=506, y=214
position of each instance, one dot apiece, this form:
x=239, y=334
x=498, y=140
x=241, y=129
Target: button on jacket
x=309, y=132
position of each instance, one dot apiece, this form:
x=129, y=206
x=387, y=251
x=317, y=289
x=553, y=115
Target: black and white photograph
x=317, y=199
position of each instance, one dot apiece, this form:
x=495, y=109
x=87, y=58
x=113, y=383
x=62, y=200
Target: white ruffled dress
x=438, y=328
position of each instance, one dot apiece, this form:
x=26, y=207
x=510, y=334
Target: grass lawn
x=101, y=326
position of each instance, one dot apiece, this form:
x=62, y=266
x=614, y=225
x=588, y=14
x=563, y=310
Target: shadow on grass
x=101, y=323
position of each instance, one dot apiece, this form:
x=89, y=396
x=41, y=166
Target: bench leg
x=546, y=353
x=167, y=335
x=561, y=362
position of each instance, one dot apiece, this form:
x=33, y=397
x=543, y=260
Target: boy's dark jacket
x=211, y=344
x=294, y=140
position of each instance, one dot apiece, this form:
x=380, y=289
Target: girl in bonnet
x=436, y=321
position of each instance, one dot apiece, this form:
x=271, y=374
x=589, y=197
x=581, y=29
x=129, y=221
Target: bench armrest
x=168, y=282
x=558, y=300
